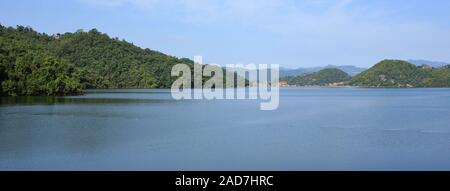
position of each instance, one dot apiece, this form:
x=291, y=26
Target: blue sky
x=300, y=33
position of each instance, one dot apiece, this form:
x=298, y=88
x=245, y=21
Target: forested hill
x=28, y=67
x=398, y=73
x=112, y=63
x=33, y=63
x=323, y=77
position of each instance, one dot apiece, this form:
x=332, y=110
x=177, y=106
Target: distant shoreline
x=88, y=91
x=363, y=87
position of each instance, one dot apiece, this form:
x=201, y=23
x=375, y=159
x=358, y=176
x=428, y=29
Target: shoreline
x=83, y=92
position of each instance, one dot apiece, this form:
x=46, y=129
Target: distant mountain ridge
x=429, y=63
x=387, y=73
x=324, y=77
x=349, y=69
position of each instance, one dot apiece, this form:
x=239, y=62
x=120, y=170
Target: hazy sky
x=290, y=33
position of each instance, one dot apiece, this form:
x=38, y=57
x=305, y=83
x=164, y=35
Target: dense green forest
x=111, y=63
x=398, y=73
x=28, y=67
x=321, y=78
x=33, y=63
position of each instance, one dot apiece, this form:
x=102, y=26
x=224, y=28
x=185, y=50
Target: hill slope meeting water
x=387, y=73
x=398, y=73
x=349, y=69
x=33, y=63
x=324, y=77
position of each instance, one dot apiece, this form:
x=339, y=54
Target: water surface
x=313, y=129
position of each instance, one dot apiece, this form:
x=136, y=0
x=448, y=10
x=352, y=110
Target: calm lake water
x=313, y=129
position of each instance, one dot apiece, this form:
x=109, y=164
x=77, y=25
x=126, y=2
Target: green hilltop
x=33, y=63
x=387, y=73
x=323, y=77
x=398, y=73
